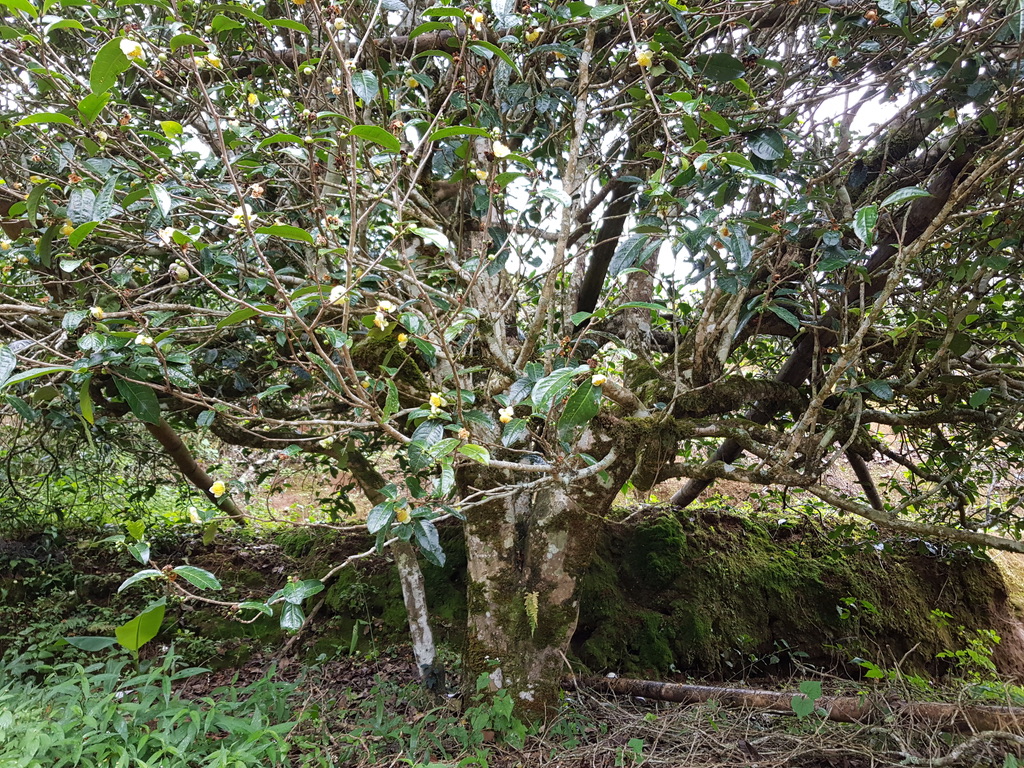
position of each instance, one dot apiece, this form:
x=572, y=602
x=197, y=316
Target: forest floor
x=362, y=706
x=352, y=699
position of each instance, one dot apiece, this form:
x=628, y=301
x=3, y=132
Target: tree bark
x=414, y=594
x=195, y=474
x=525, y=553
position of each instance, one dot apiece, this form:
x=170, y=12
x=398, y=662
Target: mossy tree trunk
x=526, y=552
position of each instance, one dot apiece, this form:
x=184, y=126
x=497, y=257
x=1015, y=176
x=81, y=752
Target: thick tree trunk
x=525, y=553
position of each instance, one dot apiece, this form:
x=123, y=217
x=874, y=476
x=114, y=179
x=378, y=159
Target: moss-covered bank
x=712, y=591
x=719, y=592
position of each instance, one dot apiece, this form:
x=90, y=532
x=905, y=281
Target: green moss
x=656, y=553
x=720, y=590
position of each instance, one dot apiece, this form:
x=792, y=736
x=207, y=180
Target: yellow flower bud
x=533, y=34
x=939, y=21
x=97, y=313
x=67, y=229
x=253, y=100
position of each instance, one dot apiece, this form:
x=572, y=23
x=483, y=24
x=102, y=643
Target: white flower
x=337, y=294
x=144, y=340
x=240, y=215
x=379, y=320
x=97, y=313
x=477, y=19
x=166, y=235
x=505, y=415
x=386, y=306
x=218, y=489
x=132, y=50
x=193, y=515
x=500, y=150
x=598, y=379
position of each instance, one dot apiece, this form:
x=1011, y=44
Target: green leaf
x=21, y=5
x=104, y=202
x=489, y=50
x=171, y=128
x=197, y=577
x=136, y=529
x=252, y=605
x=8, y=362
x=766, y=144
x=297, y=26
x=582, y=406
x=802, y=706
x=604, y=11
x=32, y=203
x=80, y=205
x=162, y=198
x=140, y=630
x=864, y=224
x=292, y=617
x=391, y=404
x=185, y=39
x=89, y=108
x=222, y=23
x=238, y=316
x=785, y=314
x=429, y=542
x=135, y=578
x=108, y=65
x=34, y=373
x=380, y=517
x=85, y=401
x=514, y=432
x=429, y=26
x=377, y=136
x=280, y=138
x=476, y=452
x=295, y=592
x=286, y=232
x=365, y=85
x=551, y=387
x=880, y=389
x=458, y=130
x=980, y=397
x=46, y=117
x=92, y=644
x=81, y=232
x=720, y=66
x=141, y=399
x=140, y=551
x=902, y=195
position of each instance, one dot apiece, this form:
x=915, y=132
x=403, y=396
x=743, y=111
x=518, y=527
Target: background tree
x=528, y=254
